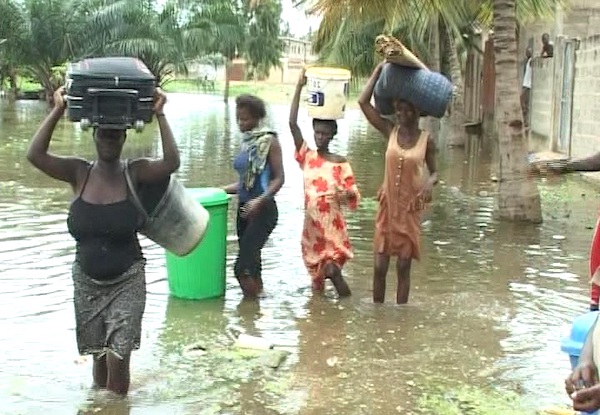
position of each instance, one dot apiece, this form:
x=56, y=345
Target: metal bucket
x=173, y=219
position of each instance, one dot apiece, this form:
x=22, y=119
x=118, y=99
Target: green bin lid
x=209, y=196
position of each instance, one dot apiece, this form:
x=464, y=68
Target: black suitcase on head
x=113, y=92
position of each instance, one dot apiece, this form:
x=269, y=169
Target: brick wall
x=585, y=135
x=541, y=97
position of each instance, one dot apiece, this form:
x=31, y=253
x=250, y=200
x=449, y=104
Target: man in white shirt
x=526, y=87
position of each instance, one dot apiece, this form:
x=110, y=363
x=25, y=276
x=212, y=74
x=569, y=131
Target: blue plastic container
x=573, y=344
x=429, y=91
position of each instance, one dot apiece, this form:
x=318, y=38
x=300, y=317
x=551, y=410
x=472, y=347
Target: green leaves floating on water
x=468, y=400
x=234, y=354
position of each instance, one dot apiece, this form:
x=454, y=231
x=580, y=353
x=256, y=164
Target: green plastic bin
x=201, y=273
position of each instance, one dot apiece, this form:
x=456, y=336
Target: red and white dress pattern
x=325, y=235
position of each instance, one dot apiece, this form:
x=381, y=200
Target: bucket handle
x=134, y=195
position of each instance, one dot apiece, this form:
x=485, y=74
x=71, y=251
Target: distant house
x=296, y=53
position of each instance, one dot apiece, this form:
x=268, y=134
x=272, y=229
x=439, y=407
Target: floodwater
x=489, y=305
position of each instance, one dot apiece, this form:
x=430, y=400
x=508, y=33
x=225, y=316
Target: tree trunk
x=46, y=81
x=518, y=195
x=456, y=135
x=12, y=80
x=227, y=76
x=3, y=73
x=432, y=124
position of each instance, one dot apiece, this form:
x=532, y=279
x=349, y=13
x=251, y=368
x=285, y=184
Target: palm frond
x=338, y=39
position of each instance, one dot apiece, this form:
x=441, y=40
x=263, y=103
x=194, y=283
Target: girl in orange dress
x=328, y=185
x=404, y=193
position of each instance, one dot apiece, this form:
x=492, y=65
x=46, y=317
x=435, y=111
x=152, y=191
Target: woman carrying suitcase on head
x=108, y=271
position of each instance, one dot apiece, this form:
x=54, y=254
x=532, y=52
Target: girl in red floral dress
x=328, y=185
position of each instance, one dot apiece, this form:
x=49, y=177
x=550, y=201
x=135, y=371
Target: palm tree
x=9, y=28
x=243, y=28
x=228, y=29
x=349, y=28
x=425, y=26
x=518, y=198
x=47, y=34
x=263, y=46
x=43, y=37
x=163, y=39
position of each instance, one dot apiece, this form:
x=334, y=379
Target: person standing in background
x=547, y=46
x=526, y=87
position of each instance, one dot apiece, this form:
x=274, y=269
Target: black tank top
x=106, y=235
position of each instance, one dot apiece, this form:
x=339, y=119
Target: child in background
x=328, y=185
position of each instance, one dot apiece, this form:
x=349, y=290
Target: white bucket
x=328, y=90
x=245, y=341
x=172, y=218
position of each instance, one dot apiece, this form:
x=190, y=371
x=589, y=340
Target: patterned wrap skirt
x=108, y=314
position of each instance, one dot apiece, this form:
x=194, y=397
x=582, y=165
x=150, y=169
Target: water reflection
x=490, y=301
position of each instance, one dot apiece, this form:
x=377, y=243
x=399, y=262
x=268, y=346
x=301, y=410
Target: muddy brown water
x=489, y=305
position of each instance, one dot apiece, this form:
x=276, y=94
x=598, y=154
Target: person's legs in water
x=249, y=289
x=317, y=284
x=123, y=332
x=100, y=371
x=253, y=234
x=334, y=273
x=381, y=266
x=111, y=372
x=259, y=280
x=403, y=271
x=118, y=373
x=109, y=323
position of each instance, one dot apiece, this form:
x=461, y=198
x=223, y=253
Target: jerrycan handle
x=134, y=195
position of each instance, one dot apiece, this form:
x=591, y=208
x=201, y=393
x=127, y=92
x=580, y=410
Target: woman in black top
x=108, y=271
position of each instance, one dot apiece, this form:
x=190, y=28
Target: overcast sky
x=299, y=23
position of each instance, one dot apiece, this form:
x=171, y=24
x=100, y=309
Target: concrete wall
x=541, y=97
x=295, y=55
x=585, y=137
x=287, y=73
x=546, y=96
x=580, y=19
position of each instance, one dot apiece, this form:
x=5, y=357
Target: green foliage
x=348, y=29
x=42, y=34
x=163, y=39
x=468, y=400
x=45, y=34
x=244, y=29
x=263, y=46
